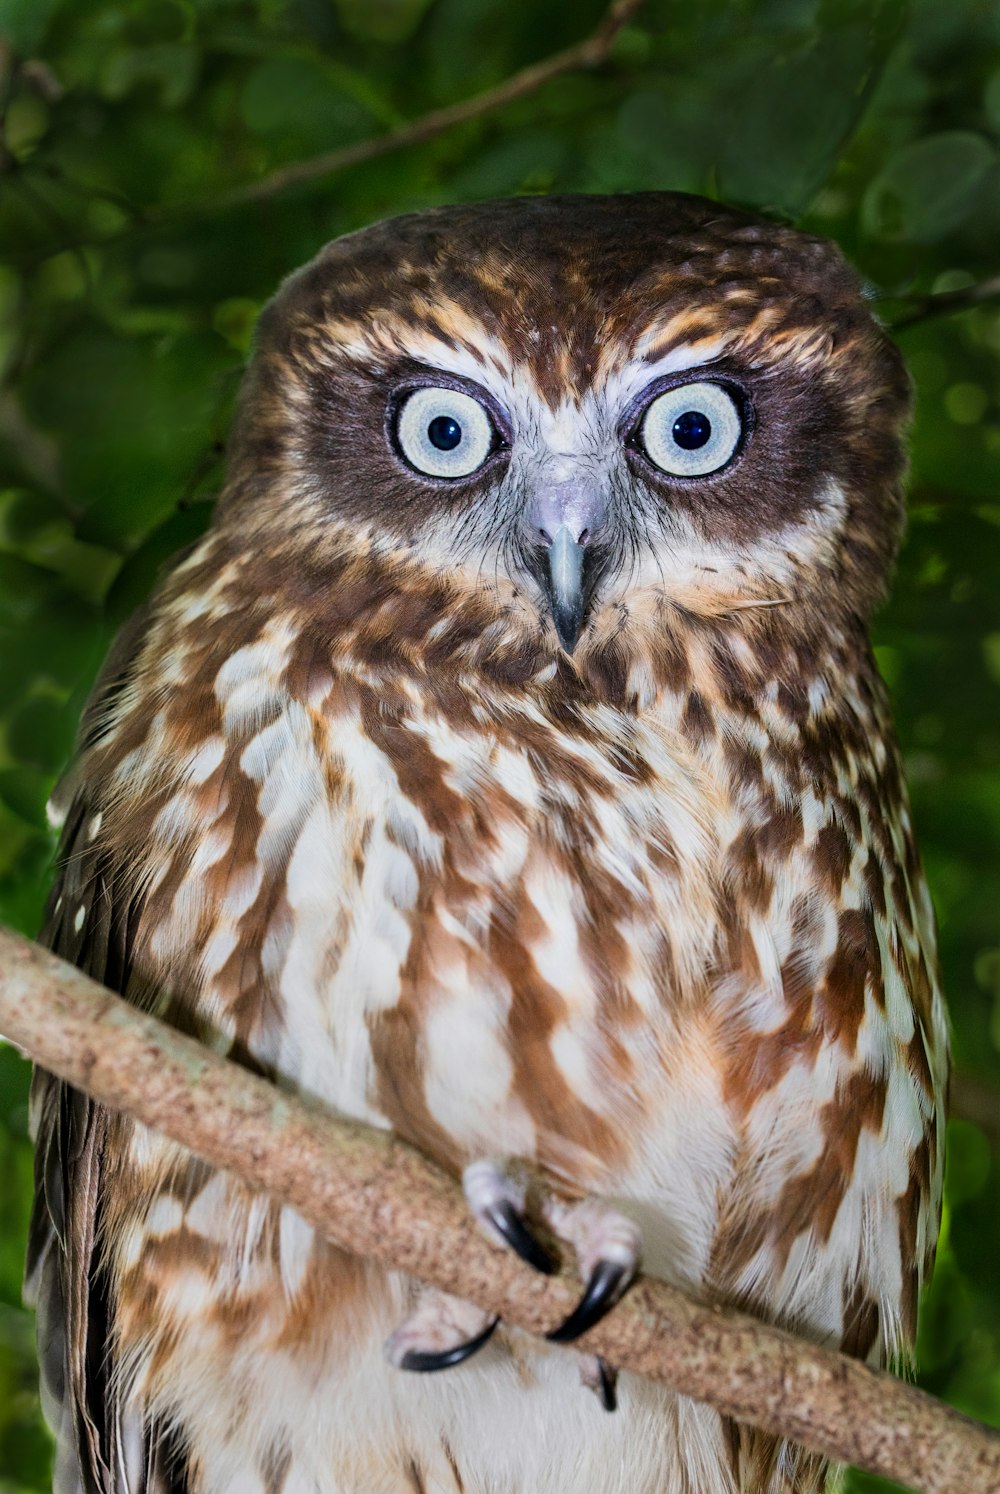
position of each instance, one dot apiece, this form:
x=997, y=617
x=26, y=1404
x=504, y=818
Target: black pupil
x=692, y=429
x=444, y=433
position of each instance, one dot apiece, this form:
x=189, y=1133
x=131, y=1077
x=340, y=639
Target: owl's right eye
x=444, y=433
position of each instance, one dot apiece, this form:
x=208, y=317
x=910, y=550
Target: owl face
x=587, y=402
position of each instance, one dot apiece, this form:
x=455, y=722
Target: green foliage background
x=128, y=291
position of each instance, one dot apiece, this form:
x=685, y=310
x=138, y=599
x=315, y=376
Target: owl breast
x=490, y=930
x=489, y=918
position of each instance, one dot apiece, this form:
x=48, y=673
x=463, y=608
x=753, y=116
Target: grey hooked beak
x=568, y=516
x=565, y=558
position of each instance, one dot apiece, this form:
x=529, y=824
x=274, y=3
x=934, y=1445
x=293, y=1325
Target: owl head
x=600, y=406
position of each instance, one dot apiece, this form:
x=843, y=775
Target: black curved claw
x=426, y=1363
x=504, y=1217
x=608, y=1387
x=608, y=1281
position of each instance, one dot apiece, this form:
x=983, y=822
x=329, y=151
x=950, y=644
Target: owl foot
x=442, y=1332
x=607, y=1244
x=608, y=1247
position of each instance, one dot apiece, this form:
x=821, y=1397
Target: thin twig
x=372, y=1195
x=948, y=303
x=591, y=52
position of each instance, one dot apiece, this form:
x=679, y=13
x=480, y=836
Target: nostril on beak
x=583, y=538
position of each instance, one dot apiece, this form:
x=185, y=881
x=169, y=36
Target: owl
x=508, y=768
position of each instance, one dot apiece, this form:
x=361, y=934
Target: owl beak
x=565, y=565
x=567, y=517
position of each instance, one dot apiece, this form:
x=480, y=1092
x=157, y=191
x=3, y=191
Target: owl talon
x=606, y=1285
x=442, y=1331
x=607, y=1387
x=497, y=1202
x=600, y=1377
x=508, y=1222
x=423, y=1361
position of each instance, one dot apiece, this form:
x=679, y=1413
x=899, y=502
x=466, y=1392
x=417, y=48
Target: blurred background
x=142, y=228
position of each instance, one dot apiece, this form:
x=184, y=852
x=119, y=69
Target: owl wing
x=102, y=1445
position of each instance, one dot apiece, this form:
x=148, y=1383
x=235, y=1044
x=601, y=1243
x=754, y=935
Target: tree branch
x=948, y=303
x=591, y=52
x=371, y=1194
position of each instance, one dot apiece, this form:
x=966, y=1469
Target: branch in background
x=591, y=52
x=371, y=1194
x=948, y=303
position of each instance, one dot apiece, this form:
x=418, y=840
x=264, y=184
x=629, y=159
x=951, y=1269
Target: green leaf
x=294, y=97
x=135, y=415
x=170, y=67
x=795, y=101
x=24, y=22
x=930, y=187
x=387, y=21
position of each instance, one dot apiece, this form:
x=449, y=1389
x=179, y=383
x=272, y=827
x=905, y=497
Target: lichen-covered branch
x=375, y=1196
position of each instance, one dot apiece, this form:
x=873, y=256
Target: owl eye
x=443, y=432
x=691, y=430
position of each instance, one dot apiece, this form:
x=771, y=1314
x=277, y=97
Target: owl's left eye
x=444, y=433
x=692, y=430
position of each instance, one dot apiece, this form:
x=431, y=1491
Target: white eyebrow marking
x=479, y=363
x=686, y=355
x=623, y=384
x=515, y=384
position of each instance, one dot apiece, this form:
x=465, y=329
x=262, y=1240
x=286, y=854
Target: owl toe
x=608, y=1249
x=441, y=1333
x=497, y=1201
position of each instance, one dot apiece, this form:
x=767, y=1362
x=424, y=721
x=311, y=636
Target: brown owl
x=508, y=767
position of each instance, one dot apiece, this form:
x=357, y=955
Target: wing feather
x=103, y=1446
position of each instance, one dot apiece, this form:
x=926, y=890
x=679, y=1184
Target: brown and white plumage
x=641, y=908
